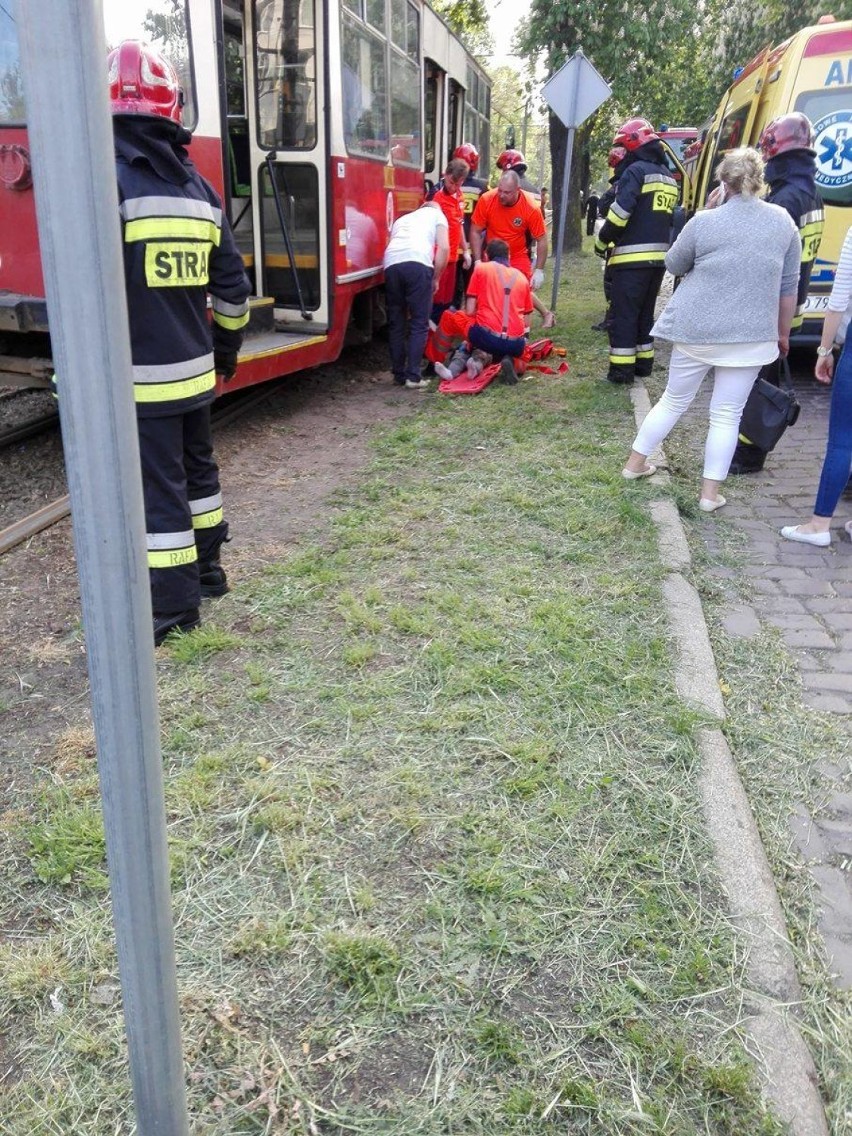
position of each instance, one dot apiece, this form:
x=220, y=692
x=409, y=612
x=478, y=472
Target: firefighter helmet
x=143, y=82
x=635, y=133
x=789, y=132
x=468, y=153
x=617, y=154
x=512, y=160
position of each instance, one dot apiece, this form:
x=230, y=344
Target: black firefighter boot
x=213, y=580
x=182, y=621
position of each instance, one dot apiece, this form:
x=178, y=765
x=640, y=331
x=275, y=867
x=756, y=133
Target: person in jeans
x=838, y=454
x=732, y=312
x=414, y=260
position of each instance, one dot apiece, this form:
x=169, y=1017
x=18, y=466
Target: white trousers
x=731, y=387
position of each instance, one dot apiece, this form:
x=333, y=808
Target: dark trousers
x=634, y=294
x=408, y=295
x=838, y=453
x=183, y=508
x=496, y=345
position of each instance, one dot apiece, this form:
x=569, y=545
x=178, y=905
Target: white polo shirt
x=413, y=237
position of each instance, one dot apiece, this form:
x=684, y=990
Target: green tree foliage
x=469, y=20
x=628, y=44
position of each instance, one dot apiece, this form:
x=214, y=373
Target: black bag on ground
x=769, y=410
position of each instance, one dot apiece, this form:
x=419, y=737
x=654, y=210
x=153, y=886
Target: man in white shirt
x=416, y=256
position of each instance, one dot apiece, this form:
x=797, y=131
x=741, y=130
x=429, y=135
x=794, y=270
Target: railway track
x=57, y=510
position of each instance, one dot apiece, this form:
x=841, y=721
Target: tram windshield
x=162, y=23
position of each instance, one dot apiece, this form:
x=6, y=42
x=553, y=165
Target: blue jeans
x=408, y=295
x=838, y=453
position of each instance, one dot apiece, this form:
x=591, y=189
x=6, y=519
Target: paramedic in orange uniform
x=508, y=214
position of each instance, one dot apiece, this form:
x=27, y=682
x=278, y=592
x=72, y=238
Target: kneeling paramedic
x=177, y=247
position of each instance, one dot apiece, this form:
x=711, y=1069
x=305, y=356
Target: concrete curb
x=783, y=1059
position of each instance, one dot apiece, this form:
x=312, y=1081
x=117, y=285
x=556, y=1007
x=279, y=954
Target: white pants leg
x=685, y=377
x=731, y=388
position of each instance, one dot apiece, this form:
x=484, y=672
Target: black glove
x=225, y=363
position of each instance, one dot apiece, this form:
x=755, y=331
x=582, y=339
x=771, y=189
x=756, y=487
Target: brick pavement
x=806, y=593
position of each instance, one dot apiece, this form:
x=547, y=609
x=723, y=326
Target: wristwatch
x=823, y=351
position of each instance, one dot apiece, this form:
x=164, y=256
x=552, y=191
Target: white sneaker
x=708, y=506
x=794, y=532
x=417, y=384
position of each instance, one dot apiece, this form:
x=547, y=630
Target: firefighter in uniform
x=177, y=247
x=786, y=145
x=636, y=235
x=472, y=189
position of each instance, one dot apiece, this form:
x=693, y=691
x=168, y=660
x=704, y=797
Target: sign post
x=63, y=53
x=573, y=93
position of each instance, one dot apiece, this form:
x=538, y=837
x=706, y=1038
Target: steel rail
x=43, y=518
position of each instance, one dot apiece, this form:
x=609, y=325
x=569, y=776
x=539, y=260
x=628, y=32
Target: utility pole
x=63, y=52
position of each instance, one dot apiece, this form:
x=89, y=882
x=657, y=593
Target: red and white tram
x=316, y=120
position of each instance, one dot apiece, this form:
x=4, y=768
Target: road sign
x=575, y=91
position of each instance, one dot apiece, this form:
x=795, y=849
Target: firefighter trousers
x=183, y=506
x=634, y=294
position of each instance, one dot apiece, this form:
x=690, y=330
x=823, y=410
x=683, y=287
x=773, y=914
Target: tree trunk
x=558, y=141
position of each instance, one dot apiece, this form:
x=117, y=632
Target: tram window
x=430, y=124
x=405, y=112
x=376, y=14
x=365, y=111
x=11, y=82
x=165, y=25
x=286, y=74
x=298, y=194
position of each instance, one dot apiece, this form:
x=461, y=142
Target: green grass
x=438, y=857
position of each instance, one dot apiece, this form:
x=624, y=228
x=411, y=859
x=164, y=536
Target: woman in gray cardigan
x=732, y=312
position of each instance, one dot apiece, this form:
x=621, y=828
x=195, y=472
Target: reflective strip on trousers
x=171, y=550
x=622, y=357
x=169, y=382
x=206, y=512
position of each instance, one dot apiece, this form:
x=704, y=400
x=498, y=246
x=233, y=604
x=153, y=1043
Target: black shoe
x=176, y=621
x=620, y=379
x=507, y=371
x=602, y=326
x=213, y=580
x=643, y=374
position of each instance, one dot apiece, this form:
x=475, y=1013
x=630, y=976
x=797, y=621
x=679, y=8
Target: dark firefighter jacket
x=790, y=177
x=638, y=223
x=178, y=247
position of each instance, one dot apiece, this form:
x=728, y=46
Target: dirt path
x=280, y=464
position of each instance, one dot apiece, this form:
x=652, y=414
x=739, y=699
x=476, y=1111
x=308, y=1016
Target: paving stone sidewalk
x=806, y=592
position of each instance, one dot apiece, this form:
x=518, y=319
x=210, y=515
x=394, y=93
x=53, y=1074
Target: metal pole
x=64, y=64
x=566, y=186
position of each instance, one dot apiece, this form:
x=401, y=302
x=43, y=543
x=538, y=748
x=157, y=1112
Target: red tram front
x=314, y=119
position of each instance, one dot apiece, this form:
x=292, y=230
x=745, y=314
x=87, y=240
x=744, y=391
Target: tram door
x=276, y=150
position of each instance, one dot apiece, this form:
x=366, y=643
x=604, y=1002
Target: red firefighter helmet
x=617, y=154
x=468, y=153
x=789, y=132
x=512, y=160
x=635, y=133
x=142, y=82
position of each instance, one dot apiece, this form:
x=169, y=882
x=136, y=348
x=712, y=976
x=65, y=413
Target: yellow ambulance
x=810, y=72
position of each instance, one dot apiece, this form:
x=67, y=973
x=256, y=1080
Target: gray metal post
x=566, y=186
x=64, y=63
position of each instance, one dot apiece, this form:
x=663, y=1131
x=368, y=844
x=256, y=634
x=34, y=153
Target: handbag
x=769, y=410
